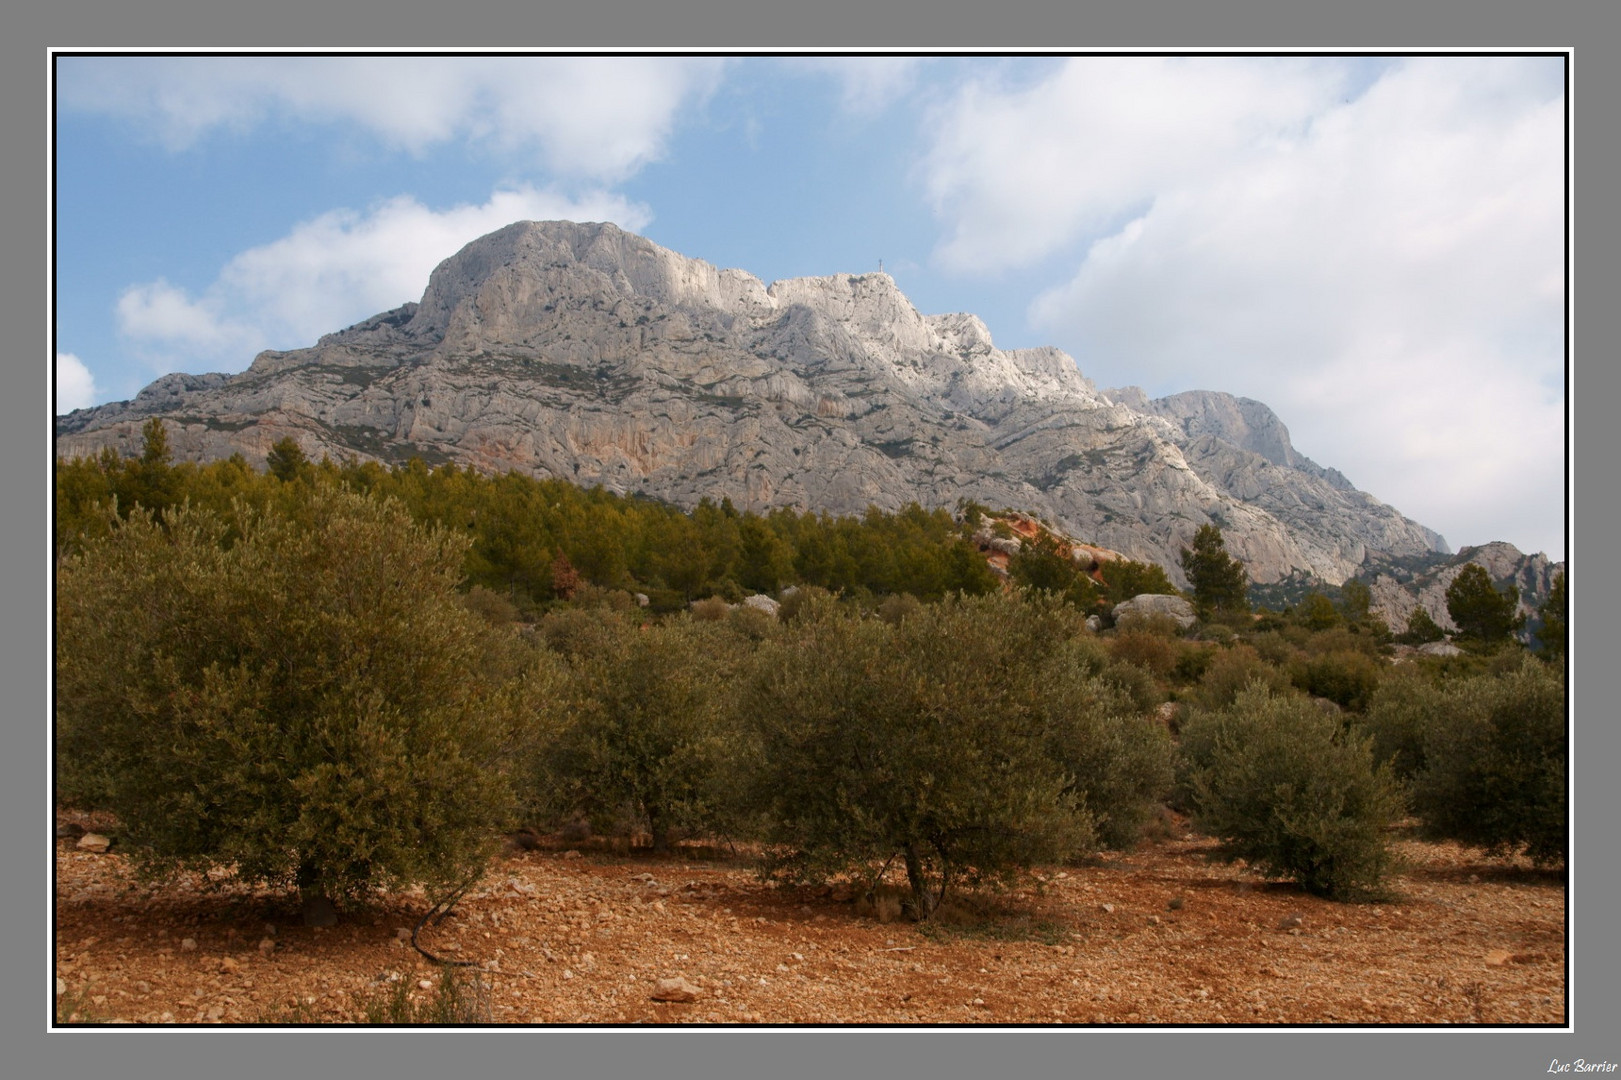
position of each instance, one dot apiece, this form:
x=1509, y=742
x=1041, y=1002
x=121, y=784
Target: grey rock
x=761, y=602
x=584, y=352
x=1151, y=604
x=94, y=842
x=1439, y=648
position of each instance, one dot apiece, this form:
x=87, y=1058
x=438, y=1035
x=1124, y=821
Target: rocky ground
x=1160, y=936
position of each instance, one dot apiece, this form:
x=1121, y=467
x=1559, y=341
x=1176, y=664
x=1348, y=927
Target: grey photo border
x=733, y=24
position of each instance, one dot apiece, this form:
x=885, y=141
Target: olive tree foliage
x=306, y=702
x=943, y=743
x=1291, y=791
x=1495, y=753
x=647, y=736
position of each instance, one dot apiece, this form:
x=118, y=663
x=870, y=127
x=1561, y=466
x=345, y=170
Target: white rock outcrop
x=588, y=353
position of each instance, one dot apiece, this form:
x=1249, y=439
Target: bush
x=1398, y=716
x=1230, y=671
x=1286, y=789
x=1149, y=651
x=310, y=705
x=646, y=737
x=1348, y=679
x=1121, y=763
x=1494, y=759
x=925, y=743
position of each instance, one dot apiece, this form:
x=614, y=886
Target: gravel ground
x=1161, y=936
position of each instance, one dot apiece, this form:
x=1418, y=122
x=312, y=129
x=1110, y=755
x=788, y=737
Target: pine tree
x=1479, y=609
x=1219, y=581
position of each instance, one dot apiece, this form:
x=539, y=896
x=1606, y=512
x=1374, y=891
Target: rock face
x=1395, y=600
x=588, y=353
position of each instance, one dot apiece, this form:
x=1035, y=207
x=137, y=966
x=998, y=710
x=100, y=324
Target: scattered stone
x=570, y=854
x=228, y=965
x=425, y=984
x=1291, y=920
x=267, y=946
x=94, y=842
x=403, y=933
x=675, y=990
x=1108, y=909
x=61, y=987
x=1175, y=904
x=1498, y=957
x=188, y=945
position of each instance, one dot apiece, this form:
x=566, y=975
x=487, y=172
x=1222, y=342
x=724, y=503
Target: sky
x=1374, y=246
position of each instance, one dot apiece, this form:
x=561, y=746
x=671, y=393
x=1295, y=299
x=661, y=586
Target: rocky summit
x=585, y=352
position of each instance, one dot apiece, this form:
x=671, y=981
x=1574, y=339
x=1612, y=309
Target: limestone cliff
x=582, y=351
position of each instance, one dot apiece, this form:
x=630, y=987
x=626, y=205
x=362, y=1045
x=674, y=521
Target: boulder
x=1150, y=604
x=761, y=602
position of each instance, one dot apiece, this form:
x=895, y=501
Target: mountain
x=1397, y=594
x=589, y=353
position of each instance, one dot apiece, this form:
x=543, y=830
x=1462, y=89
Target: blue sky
x=1374, y=246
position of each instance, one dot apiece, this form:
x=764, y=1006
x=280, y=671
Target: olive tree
x=647, y=732
x=306, y=702
x=928, y=742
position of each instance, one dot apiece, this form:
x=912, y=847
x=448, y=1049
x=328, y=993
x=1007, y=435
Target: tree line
x=285, y=673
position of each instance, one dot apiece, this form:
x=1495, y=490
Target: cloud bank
x=1383, y=265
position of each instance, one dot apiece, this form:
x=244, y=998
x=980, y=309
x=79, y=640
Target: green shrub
x=1150, y=651
x=925, y=743
x=1287, y=790
x=311, y=705
x=1495, y=764
x=1346, y=678
x=1229, y=672
x=1398, y=716
x=1121, y=762
x=646, y=736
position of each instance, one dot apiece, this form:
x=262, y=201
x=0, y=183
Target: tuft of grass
x=460, y=998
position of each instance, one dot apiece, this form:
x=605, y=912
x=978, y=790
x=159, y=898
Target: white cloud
x=75, y=388
x=1385, y=270
x=331, y=272
x=867, y=84
x=591, y=118
x=1016, y=173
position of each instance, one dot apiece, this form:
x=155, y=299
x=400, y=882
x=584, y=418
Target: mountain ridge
x=590, y=353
